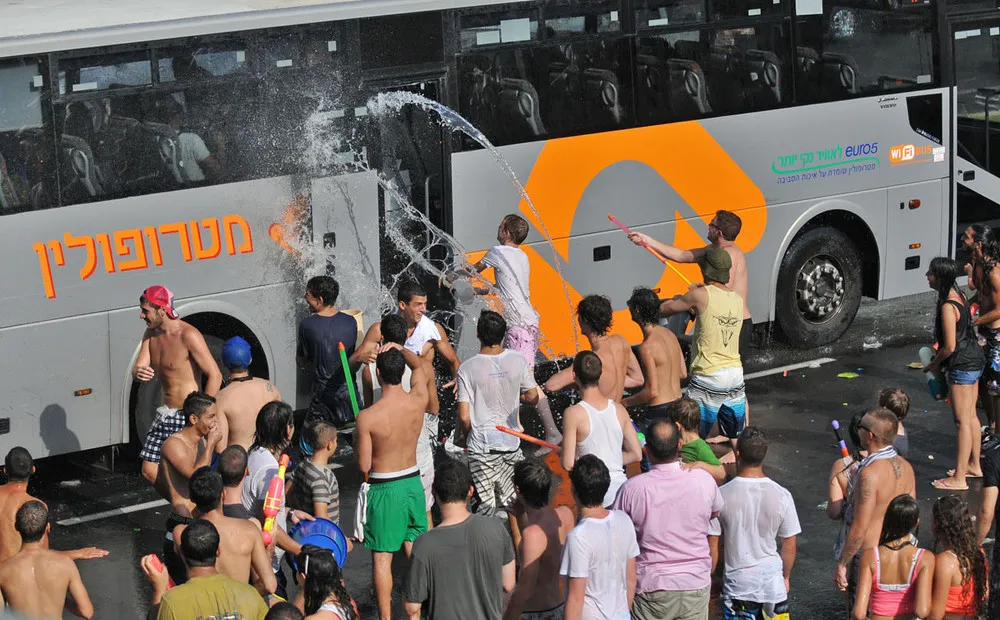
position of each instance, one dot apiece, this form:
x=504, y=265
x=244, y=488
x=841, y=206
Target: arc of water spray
x=395, y=101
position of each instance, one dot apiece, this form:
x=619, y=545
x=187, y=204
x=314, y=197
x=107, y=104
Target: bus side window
x=853, y=49
x=27, y=176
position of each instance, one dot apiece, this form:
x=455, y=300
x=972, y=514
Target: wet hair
x=901, y=517
x=854, y=433
x=206, y=489
x=233, y=465
x=751, y=448
x=729, y=224
x=393, y=329
x=452, y=481
x=661, y=441
x=318, y=433
x=490, y=328
x=686, y=412
x=18, y=464
x=587, y=368
x=271, y=431
x=591, y=479
x=981, y=233
x=644, y=305
x=533, y=480
x=325, y=288
x=391, y=365
x=595, y=312
x=408, y=290
x=323, y=578
x=30, y=521
x=953, y=529
x=196, y=404
x=895, y=400
x=515, y=226
x=199, y=544
x=886, y=424
x=284, y=611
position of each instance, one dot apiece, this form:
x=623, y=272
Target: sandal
x=944, y=485
x=951, y=472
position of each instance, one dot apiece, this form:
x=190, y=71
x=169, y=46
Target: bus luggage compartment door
x=48, y=371
x=914, y=223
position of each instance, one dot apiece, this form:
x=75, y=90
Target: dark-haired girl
x=324, y=596
x=960, y=573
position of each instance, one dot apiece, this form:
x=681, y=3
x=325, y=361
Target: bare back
x=668, y=363
x=177, y=483
x=171, y=359
x=35, y=583
x=239, y=403
x=892, y=477
x=738, y=275
x=393, y=425
x=12, y=496
x=549, y=591
x=615, y=353
x=237, y=538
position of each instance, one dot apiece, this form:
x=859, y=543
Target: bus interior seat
x=169, y=148
x=687, y=50
x=652, y=89
x=725, y=73
x=765, y=76
x=80, y=165
x=688, y=97
x=518, y=106
x=807, y=69
x=9, y=198
x=601, y=91
x=839, y=75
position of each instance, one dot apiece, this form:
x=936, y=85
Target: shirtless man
x=241, y=546
x=620, y=367
x=883, y=475
x=984, y=277
x=184, y=452
x=540, y=590
x=176, y=352
x=386, y=444
x=662, y=359
x=722, y=233
x=36, y=581
x=19, y=466
x=239, y=402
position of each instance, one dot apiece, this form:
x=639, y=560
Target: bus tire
x=819, y=288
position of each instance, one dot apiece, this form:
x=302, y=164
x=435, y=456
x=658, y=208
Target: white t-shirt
x=492, y=385
x=599, y=549
x=510, y=266
x=193, y=151
x=263, y=466
x=757, y=511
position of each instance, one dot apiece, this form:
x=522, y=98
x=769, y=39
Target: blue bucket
x=322, y=533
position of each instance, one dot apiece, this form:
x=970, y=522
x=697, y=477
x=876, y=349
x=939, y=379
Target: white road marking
x=114, y=512
x=816, y=363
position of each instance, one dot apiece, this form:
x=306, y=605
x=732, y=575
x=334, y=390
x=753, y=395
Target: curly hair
x=596, y=313
x=954, y=530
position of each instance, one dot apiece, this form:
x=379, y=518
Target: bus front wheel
x=819, y=288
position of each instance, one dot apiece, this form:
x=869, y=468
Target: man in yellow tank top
x=716, y=368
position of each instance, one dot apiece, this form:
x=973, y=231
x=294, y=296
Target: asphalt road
x=795, y=408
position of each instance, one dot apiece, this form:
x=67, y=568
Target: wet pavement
x=794, y=407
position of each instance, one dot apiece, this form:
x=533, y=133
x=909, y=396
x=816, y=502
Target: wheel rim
x=820, y=289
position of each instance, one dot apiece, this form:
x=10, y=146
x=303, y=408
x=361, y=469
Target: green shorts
x=395, y=512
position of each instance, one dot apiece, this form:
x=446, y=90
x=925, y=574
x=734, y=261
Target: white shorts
x=425, y=456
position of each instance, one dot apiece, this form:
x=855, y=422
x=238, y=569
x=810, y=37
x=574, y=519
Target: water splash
x=395, y=101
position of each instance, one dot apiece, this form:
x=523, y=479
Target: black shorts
x=746, y=338
x=660, y=412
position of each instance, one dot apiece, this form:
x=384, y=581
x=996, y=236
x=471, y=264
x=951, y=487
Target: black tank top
x=967, y=356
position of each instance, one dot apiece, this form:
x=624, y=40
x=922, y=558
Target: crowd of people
x=482, y=533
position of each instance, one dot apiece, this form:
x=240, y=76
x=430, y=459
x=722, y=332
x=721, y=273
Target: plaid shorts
x=168, y=421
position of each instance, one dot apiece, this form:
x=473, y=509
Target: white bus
x=181, y=144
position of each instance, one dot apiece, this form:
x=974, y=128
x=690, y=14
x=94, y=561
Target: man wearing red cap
x=177, y=352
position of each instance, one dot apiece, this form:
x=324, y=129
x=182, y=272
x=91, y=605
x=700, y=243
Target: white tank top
x=605, y=442
x=424, y=332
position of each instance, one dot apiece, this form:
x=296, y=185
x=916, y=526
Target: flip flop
x=951, y=472
x=944, y=485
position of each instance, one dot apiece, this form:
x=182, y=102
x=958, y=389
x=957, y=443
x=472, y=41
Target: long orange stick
x=663, y=260
x=528, y=438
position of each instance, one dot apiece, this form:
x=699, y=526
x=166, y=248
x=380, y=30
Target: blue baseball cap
x=236, y=353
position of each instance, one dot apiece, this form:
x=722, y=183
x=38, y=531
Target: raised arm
x=650, y=389
x=666, y=251
x=203, y=358
x=179, y=457
x=561, y=380
x=683, y=303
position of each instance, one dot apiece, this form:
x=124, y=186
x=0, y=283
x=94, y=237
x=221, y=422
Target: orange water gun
x=274, y=498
